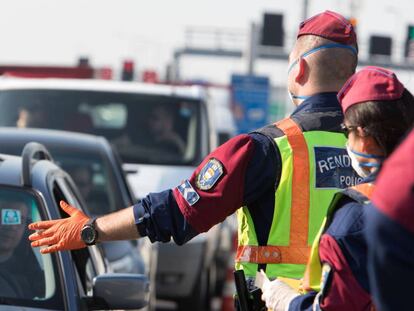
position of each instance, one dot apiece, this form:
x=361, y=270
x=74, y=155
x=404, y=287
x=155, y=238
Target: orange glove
x=60, y=234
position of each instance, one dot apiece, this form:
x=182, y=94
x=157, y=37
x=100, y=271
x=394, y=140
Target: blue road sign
x=250, y=96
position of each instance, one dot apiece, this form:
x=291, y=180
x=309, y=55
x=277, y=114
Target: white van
x=161, y=132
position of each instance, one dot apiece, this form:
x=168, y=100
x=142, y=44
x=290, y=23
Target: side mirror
x=120, y=291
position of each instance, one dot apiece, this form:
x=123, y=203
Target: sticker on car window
x=11, y=217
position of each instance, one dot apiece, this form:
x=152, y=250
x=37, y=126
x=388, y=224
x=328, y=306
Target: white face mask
x=291, y=98
x=362, y=168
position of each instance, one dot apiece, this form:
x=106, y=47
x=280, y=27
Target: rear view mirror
x=121, y=290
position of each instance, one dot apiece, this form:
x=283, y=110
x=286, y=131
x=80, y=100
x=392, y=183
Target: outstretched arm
x=65, y=233
x=116, y=226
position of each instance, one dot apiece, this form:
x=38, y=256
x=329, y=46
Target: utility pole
x=305, y=9
x=252, y=50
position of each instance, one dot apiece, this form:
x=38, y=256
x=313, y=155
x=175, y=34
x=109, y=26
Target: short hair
x=332, y=65
x=386, y=121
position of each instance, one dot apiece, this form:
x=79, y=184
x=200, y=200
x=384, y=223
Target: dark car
x=30, y=190
x=97, y=172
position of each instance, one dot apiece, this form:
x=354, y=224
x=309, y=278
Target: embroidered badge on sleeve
x=188, y=193
x=209, y=174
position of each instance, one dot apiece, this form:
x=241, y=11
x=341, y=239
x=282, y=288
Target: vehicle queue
x=285, y=204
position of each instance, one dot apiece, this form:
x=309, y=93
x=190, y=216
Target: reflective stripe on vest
x=299, y=207
x=313, y=273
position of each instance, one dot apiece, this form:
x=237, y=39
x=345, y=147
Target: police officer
x=390, y=232
x=378, y=112
x=280, y=178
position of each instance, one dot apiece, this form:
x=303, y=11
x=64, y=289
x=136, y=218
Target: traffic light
x=272, y=30
x=380, y=45
x=83, y=61
x=128, y=71
x=409, y=43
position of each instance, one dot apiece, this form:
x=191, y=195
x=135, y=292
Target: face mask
x=322, y=47
x=293, y=97
x=362, y=168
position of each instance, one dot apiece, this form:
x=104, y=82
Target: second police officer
x=378, y=113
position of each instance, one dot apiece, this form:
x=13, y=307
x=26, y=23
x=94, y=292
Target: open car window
x=27, y=278
x=93, y=176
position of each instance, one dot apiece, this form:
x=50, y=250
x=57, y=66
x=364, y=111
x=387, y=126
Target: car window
x=26, y=276
x=93, y=176
x=149, y=129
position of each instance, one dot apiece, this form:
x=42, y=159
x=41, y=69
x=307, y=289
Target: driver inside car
x=20, y=273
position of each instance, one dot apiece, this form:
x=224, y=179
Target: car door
x=28, y=279
x=89, y=262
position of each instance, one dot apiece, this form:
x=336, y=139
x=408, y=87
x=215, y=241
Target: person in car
x=95, y=198
x=32, y=117
x=161, y=136
x=20, y=273
x=161, y=125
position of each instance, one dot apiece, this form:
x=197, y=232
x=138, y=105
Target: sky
x=57, y=32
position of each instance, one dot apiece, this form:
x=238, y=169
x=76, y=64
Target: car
x=96, y=169
x=162, y=133
x=31, y=187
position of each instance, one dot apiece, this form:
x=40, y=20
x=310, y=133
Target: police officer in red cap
x=378, y=112
x=280, y=178
x=390, y=232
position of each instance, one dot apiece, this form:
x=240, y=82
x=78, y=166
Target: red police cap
x=368, y=84
x=331, y=26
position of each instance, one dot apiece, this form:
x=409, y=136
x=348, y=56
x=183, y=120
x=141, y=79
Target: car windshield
x=26, y=276
x=149, y=129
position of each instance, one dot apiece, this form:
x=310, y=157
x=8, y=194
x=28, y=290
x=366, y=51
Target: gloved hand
x=278, y=295
x=60, y=234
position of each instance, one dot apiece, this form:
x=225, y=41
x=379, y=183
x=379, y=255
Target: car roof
x=191, y=92
x=11, y=169
x=58, y=139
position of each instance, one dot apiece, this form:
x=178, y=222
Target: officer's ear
x=302, y=65
x=368, y=143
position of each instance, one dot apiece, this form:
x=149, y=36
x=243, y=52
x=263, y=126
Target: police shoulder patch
x=188, y=193
x=325, y=278
x=209, y=174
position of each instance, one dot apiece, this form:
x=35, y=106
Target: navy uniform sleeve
x=390, y=261
x=233, y=174
x=303, y=302
x=158, y=217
